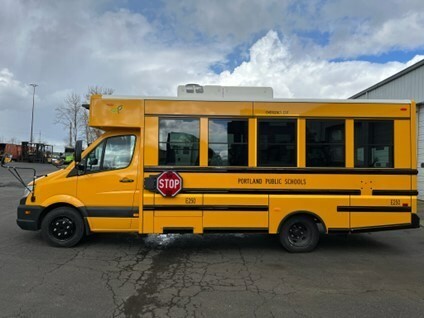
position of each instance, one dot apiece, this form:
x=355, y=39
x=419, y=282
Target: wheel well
x=57, y=205
x=308, y=214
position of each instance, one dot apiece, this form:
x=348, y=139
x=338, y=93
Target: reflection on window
x=228, y=142
x=277, y=143
x=179, y=142
x=112, y=153
x=374, y=143
x=325, y=143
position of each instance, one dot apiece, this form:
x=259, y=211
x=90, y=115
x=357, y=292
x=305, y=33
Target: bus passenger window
x=325, y=143
x=277, y=142
x=179, y=142
x=374, y=143
x=228, y=142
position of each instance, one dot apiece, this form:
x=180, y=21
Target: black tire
x=299, y=234
x=63, y=227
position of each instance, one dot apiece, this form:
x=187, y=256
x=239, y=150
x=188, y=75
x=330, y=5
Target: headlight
x=28, y=190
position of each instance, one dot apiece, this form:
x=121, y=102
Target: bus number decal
x=190, y=200
x=395, y=202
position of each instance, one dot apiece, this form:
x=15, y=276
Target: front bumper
x=29, y=217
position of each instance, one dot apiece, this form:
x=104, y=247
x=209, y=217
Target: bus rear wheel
x=299, y=234
x=63, y=227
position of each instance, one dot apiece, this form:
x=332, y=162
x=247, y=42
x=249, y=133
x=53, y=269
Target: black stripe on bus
x=275, y=170
x=219, y=208
x=115, y=212
x=244, y=230
x=273, y=191
x=374, y=209
x=395, y=192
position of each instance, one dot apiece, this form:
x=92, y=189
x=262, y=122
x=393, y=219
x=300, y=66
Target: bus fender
x=302, y=212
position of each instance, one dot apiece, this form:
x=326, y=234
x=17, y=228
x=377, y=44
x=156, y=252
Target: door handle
x=126, y=180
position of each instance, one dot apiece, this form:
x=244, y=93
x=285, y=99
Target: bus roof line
x=273, y=100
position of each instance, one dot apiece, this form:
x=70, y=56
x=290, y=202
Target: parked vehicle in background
x=15, y=151
x=68, y=155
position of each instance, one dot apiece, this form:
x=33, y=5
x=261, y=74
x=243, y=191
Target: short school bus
x=199, y=163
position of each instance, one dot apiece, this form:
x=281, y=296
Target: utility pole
x=33, y=104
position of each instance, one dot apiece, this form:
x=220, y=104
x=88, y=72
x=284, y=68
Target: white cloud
x=13, y=93
x=273, y=64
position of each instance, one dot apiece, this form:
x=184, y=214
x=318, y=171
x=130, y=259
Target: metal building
x=407, y=84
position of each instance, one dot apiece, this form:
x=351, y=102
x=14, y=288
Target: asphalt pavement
x=124, y=275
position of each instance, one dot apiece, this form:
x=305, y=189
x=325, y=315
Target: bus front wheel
x=63, y=227
x=299, y=234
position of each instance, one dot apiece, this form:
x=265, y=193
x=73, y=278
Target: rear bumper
x=29, y=217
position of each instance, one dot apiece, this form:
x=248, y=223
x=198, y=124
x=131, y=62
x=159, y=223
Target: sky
x=301, y=48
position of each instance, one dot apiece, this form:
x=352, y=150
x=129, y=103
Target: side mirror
x=78, y=151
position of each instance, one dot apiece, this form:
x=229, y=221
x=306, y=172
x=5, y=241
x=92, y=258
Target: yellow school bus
x=234, y=159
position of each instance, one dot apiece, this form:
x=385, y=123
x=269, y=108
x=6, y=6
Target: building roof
x=389, y=79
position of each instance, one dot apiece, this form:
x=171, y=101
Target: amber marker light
x=27, y=212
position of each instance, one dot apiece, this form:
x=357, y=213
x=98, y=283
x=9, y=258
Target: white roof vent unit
x=196, y=91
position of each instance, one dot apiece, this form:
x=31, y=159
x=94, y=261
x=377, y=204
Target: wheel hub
x=298, y=233
x=62, y=228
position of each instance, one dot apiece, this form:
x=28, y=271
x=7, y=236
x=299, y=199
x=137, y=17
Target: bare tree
x=90, y=133
x=69, y=116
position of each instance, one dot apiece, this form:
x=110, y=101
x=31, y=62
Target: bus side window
x=277, y=142
x=374, y=140
x=325, y=143
x=179, y=142
x=228, y=142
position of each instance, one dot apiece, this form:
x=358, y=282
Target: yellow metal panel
x=273, y=180
x=149, y=198
x=322, y=109
x=413, y=137
x=174, y=214
x=252, y=138
x=324, y=206
x=182, y=199
x=151, y=141
x=178, y=222
x=186, y=107
x=147, y=222
x=372, y=219
x=235, y=199
x=112, y=224
x=106, y=113
x=235, y=219
x=204, y=136
x=380, y=200
x=301, y=145
x=402, y=147
x=349, y=143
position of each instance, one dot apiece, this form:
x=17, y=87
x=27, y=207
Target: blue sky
x=301, y=48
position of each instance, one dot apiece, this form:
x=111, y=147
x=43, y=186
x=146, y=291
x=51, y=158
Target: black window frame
x=245, y=143
x=325, y=145
x=367, y=146
x=259, y=149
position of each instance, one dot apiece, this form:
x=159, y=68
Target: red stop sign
x=169, y=183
